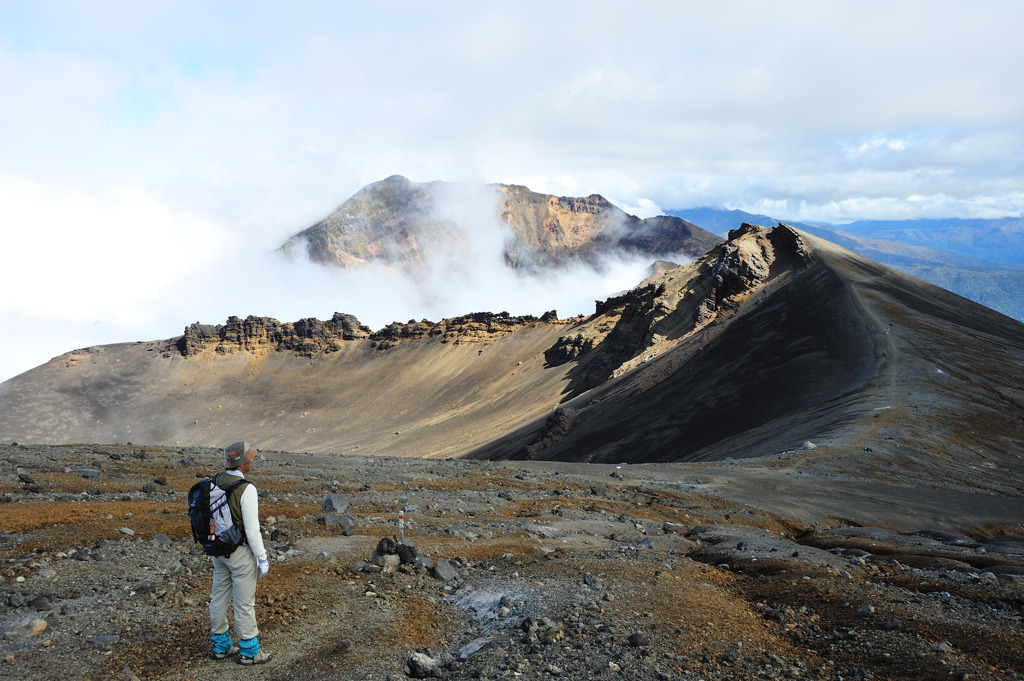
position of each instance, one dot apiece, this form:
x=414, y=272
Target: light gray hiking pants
x=234, y=577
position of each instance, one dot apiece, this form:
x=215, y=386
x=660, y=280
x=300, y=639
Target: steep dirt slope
x=422, y=397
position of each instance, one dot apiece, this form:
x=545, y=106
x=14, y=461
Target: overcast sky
x=153, y=153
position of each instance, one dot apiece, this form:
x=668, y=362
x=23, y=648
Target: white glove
x=263, y=566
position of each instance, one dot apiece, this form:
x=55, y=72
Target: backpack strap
x=232, y=486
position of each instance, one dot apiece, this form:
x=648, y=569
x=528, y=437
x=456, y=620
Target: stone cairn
x=390, y=553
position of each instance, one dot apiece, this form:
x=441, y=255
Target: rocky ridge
x=677, y=302
x=310, y=337
x=306, y=337
x=478, y=327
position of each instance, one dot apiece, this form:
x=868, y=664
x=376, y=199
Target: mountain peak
x=398, y=222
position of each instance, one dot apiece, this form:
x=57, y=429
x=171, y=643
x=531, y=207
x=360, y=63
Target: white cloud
x=644, y=208
x=876, y=144
x=98, y=256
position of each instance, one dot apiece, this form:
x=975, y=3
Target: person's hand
x=264, y=566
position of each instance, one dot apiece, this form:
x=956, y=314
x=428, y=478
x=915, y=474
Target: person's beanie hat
x=236, y=454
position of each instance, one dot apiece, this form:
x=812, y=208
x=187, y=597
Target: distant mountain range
x=399, y=223
x=982, y=260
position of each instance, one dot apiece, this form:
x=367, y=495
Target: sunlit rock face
x=399, y=223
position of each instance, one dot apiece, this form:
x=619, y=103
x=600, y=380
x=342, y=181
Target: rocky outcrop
x=624, y=328
x=675, y=302
x=306, y=337
x=736, y=269
x=555, y=427
x=309, y=337
x=475, y=327
x=568, y=348
x=743, y=263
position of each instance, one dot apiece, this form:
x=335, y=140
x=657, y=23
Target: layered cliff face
x=398, y=222
x=306, y=337
x=478, y=327
x=311, y=337
x=549, y=230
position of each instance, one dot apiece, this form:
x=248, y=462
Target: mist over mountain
x=404, y=224
x=982, y=260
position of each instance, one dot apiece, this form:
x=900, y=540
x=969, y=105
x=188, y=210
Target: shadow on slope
x=804, y=357
x=791, y=364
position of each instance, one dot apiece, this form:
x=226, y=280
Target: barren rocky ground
x=540, y=570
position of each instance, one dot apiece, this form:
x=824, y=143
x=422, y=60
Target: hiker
x=235, y=575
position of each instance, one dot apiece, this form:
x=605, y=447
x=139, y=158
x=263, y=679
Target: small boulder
x=390, y=560
x=335, y=503
x=420, y=666
x=638, y=639
x=104, y=640
x=407, y=553
x=340, y=522
x=444, y=570
x=26, y=626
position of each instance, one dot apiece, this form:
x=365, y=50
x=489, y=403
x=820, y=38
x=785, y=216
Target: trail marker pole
x=401, y=525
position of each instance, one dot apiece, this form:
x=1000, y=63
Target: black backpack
x=212, y=525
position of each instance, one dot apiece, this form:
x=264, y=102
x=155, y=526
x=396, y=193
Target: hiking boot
x=220, y=656
x=262, y=657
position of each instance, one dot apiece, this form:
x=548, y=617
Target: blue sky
x=148, y=149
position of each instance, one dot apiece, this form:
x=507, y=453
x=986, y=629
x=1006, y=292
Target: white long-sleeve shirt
x=249, y=502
